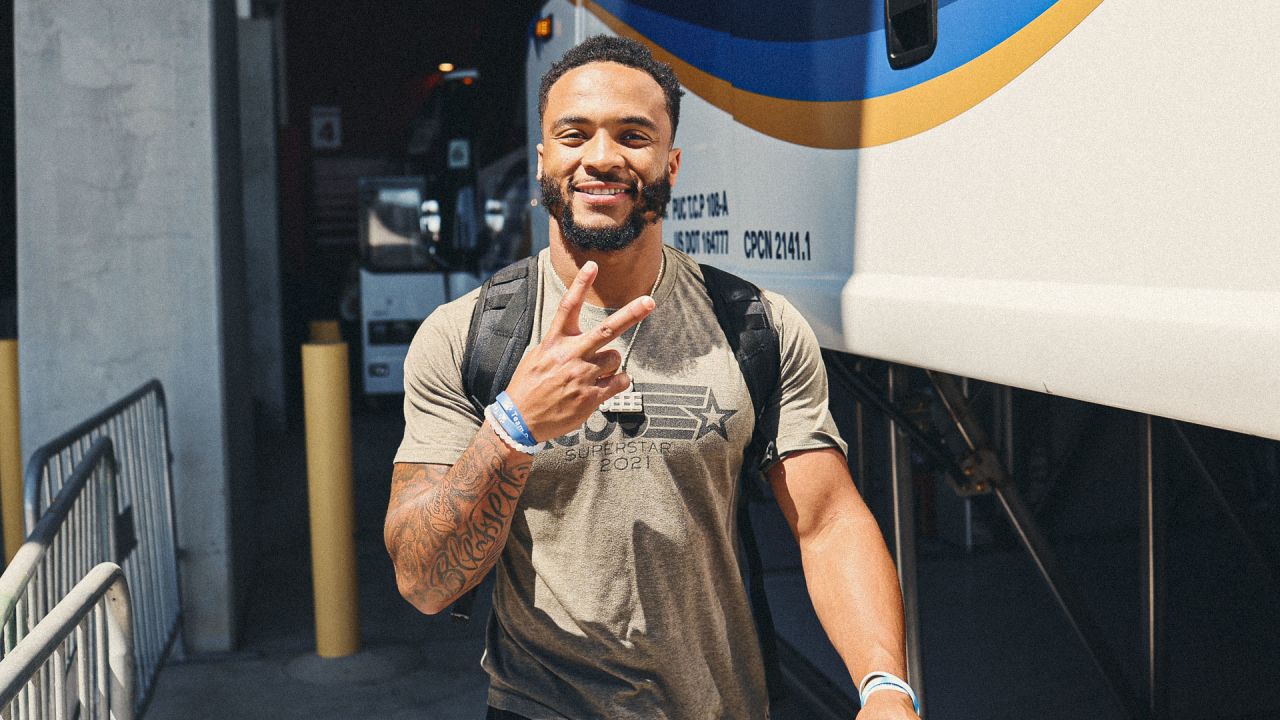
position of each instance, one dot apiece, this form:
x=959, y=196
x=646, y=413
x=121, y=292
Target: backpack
x=503, y=315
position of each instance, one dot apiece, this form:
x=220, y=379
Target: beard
x=650, y=207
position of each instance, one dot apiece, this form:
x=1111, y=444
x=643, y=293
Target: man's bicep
x=440, y=419
x=813, y=488
x=804, y=419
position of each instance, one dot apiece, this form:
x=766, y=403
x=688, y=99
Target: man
x=618, y=593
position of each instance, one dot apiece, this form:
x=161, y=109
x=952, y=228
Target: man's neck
x=624, y=274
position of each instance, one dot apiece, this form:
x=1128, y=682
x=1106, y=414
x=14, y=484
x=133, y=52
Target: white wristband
x=886, y=681
x=502, y=433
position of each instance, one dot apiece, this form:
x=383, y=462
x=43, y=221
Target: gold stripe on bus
x=880, y=120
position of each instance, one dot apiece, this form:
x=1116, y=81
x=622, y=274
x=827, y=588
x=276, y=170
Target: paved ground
x=412, y=666
x=996, y=646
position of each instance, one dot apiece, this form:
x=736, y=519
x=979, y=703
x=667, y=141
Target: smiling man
x=603, y=483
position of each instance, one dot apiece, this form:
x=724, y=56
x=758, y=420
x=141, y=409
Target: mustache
x=651, y=198
x=632, y=185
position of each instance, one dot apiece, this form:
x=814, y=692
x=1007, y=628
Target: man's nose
x=602, y=155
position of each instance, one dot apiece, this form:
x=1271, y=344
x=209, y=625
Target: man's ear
x=538, y=176
x=673, y=165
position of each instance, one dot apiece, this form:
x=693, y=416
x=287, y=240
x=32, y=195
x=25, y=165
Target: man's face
x=606, y=165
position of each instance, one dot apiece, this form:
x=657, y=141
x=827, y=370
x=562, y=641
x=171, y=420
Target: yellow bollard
x=325, y=331
x=10, y=450
x=331, y=498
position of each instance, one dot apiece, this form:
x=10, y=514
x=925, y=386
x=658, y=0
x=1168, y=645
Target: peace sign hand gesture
x=568, y=375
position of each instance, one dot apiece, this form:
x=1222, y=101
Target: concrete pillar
x=8, y=231
x=261, y=219
x=130, y=250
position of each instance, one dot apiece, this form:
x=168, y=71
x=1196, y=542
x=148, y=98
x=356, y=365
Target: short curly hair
x=604, y=48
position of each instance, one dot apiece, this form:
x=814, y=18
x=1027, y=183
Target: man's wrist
x=503, y=428
x=512, y=421
x=890, y=698
x=882, y=683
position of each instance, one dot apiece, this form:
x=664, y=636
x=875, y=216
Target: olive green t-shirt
x=618, y=594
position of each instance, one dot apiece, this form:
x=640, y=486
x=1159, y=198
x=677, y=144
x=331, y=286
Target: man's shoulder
x=683, y=260
x=780, y=309
x=445, y=329
x=451, y=320
x=454, y=314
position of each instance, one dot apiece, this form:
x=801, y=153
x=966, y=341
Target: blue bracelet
x=513, y=421
x=517, y=426
x=507, y=426
x=504, y=401
x=496, y=419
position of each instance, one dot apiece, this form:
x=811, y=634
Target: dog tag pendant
x=628, y=402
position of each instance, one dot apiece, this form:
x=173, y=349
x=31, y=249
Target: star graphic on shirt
x=711, y=417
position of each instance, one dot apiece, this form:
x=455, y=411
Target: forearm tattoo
x=446, y=525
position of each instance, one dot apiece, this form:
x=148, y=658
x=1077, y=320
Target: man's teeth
x=602, y=191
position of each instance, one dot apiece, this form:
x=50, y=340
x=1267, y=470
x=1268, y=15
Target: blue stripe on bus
x=794, y=20
x=837, y=69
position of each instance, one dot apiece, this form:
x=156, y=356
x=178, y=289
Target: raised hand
x=563, y=379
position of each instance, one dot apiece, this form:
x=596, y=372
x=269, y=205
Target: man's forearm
x=854, y=588
x=851, y=578
x=446, y=525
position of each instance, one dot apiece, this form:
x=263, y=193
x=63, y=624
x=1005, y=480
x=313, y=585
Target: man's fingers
x=565, y=321
x=613, y=384
x=618, y=323
x=608, y=361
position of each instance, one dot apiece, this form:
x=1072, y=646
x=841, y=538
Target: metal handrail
x=139, y=427
x=88, y=636
x=72, y=557
x=38, y=464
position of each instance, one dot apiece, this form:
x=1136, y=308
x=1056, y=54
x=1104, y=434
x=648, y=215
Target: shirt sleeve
x=804, y=418
x=439, y=421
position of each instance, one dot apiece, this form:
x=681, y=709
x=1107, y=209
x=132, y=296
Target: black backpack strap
x=744, y=317
x=760, y=611
x=746, y=321
x=501, y=327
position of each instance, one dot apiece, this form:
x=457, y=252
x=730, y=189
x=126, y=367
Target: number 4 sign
x=326, y=127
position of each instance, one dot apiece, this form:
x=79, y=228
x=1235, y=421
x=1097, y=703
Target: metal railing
x=77, y=662
x=73, y=536
x=138, y=426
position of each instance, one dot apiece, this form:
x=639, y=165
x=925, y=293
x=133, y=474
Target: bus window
x=911, y=31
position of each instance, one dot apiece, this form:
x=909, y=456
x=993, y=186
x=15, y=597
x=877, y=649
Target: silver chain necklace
x=630, y=401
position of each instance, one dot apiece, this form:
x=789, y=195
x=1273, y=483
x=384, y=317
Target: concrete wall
x=130, y=262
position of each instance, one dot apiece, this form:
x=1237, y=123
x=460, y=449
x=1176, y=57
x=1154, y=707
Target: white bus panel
x=1070, y=196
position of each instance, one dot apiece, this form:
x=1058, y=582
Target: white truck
x=428, y=239
x=1073, y=197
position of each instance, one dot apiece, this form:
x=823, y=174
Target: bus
x=1062, y=199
